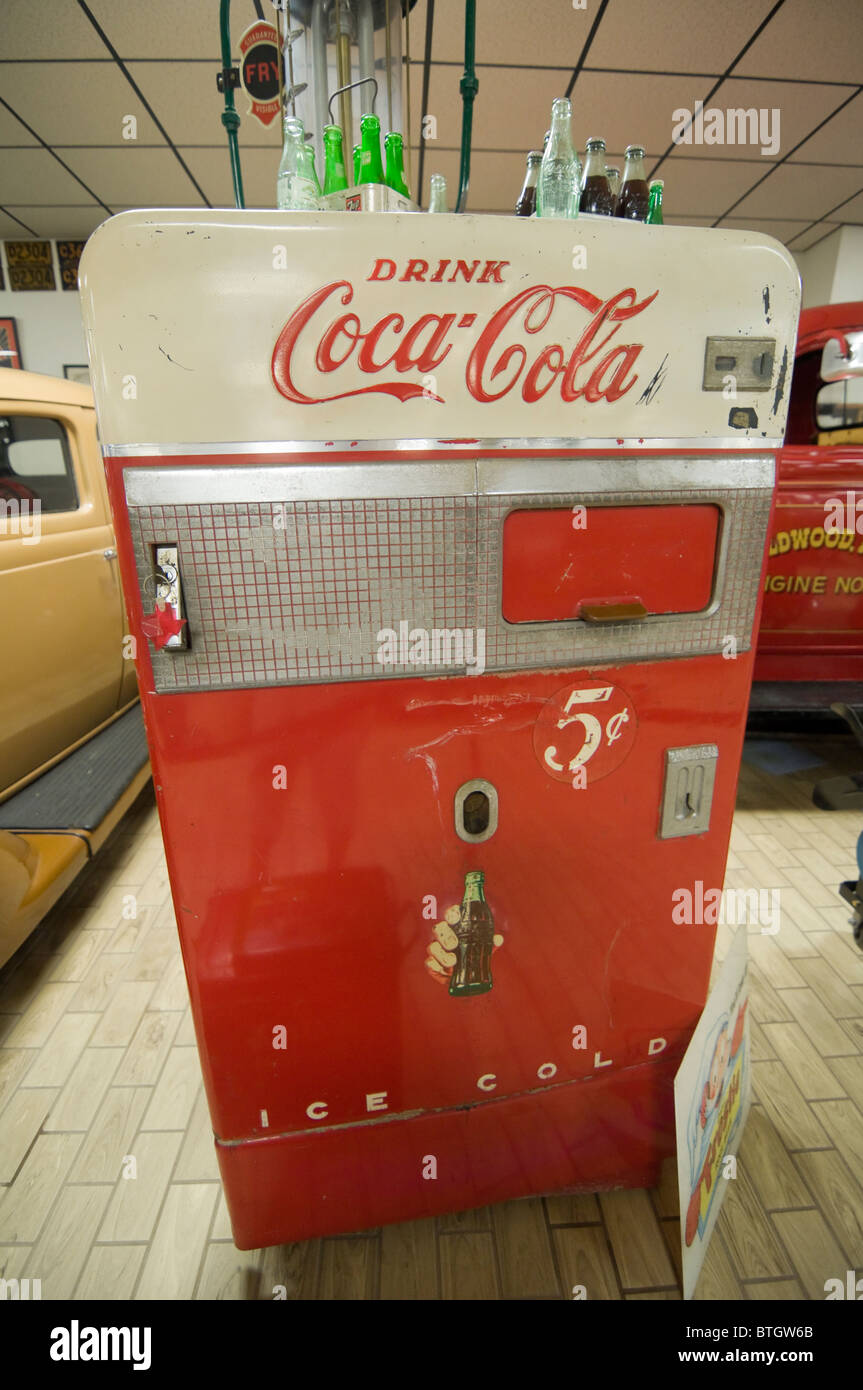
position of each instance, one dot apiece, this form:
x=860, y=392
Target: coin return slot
x=476, y=811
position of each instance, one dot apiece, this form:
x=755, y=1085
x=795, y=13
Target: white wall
x=50, y=328
x=832, y=272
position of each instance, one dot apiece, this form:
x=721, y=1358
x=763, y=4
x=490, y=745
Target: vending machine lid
x=226, y=330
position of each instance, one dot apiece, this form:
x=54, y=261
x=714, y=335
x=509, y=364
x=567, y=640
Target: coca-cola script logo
x=319, y=340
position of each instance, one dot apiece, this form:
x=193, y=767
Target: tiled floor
x=98, y=1070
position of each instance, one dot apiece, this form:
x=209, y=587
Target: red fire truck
x=811, y=635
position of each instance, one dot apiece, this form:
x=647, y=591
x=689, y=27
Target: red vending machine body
x=445, y=720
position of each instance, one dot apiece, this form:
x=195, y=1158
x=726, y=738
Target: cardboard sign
x=69, y=254
x=711, y=1102
x=31, y=265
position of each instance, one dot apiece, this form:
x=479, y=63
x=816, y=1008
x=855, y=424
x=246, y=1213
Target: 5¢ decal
x=584, y=732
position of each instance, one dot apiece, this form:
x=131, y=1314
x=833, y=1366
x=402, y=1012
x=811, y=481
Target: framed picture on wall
x=79, y=374
x=10, y=353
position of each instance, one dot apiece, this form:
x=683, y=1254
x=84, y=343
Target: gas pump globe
x=343, y=58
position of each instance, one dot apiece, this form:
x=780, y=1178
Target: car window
x=839, y=405
x=35, y=463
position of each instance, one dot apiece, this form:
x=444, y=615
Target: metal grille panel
x=299, y=592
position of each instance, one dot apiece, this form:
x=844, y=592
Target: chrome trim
x=737, y=443
x=334, y=482
x=328, y=482
x=502, y=476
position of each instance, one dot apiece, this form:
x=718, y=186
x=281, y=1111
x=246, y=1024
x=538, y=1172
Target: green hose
x=469, y=86
x=230, y=119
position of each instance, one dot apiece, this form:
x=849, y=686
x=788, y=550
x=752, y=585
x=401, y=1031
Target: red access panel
x=555, y=560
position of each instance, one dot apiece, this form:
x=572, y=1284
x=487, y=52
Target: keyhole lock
x=475, y=811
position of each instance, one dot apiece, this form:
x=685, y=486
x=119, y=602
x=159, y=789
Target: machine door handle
x=612, y=612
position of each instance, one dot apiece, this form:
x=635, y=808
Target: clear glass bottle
x=558, y=173
x=526, y=205
x=437, y=196
x=307, y=167
x=596, y=195
x=633, y=198
x=296, y=192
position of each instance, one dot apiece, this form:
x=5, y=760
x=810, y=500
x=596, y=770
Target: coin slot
x=476, y=811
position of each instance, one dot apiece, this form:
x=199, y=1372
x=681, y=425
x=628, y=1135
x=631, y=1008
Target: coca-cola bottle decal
x=464, y=942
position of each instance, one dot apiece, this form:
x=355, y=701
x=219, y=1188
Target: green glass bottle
x=307, y=168
x=395, y=149
x=357, y=154
x=654, y=202
x=371, y=168
x=335, y=178
x=475, y=932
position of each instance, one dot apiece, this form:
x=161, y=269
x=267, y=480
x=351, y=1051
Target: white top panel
x=237, y=327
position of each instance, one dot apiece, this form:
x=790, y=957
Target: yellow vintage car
x=73, y=753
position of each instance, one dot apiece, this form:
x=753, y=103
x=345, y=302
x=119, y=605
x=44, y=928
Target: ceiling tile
x=34, y=176
x=853, y=210
x=706, y=187
x=783, y=229
x=810, y=41
x=164, y=29
x=126, y=176
x=513, y=109
x=212, y=169
x=12, y=132
x=507, y=31
x=62, y=223
x=76, y=103
x=9, y=227
x=794, y=190
x=840, y=141
x=801, y=107
x=819, y=232
x=676, y=36
x=25, y=31
x=190, y=109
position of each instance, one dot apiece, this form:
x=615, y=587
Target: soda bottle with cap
x=526, y=205
x=654, y=203
x=596, y=196
x=633, y=198
x=371, y=167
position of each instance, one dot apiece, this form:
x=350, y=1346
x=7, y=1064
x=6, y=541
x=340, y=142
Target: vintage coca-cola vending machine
x=443, y=540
